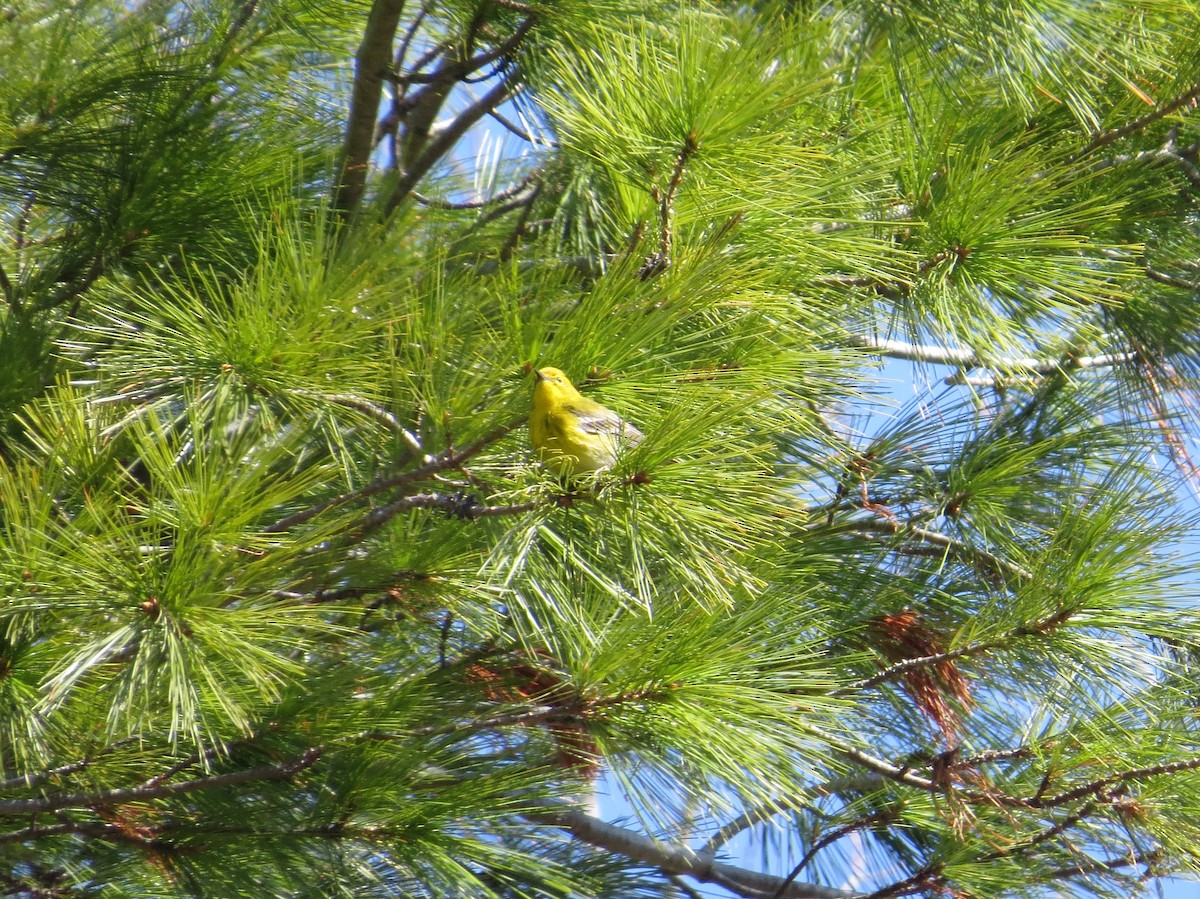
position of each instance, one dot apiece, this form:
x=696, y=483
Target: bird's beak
x=538, y=376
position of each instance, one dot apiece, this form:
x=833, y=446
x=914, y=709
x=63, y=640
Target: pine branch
x=284, y=770
x=1171, y=280
x=676, y=859
x=1120, y=777
x=1088, y=867
x=757, y=815
x=1105, y=138
x=1163, y=154
x=534, y=715
x=502, y=196
x=989, y=563
x=660, y=260
x=371, y=64
x=520, y=132
x=444, y=461
x=927, y=879
x=1044, y=626
x=365, y=406
x=458, y=505
x=40, y=777
x=1052, y=832
x=446, y=138
x=968, y=358
x=870, y=820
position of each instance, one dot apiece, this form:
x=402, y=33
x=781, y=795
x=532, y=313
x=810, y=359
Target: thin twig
x=457, y=505
x=1098, y=865
x=660, y=260
x=368, y=408
x=519, y=131
x=829, y=839
x=32, y=780
x=1107, y=137
x=279, y=771
x=1046, y=835
x=1095, y=786
x=499, y=197
x=1044, y=626
x=409, y=34
x=921, y=879
x=1171, y=280
x=991, y=562
x=444, y=461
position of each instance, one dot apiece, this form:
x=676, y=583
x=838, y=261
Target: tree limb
x=448, y=459
x=968, y=358
x=990, y=562
x=371, y=410
x=677, y=859
x=1044, y=626
x=370, y=65
x=279, y=771
x=415, y=170
x=1105, y=138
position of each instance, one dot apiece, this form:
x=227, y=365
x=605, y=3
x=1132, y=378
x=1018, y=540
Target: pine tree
x=893, y=599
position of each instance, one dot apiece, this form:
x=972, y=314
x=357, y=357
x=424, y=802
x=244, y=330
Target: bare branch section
x=370, y=66
x=444, y=461
x=283, y=770
x=444, y=141
x=678, y=859
x=968, y=358
x=420, y=91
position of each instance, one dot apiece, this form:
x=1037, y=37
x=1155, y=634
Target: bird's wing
x=604, y=422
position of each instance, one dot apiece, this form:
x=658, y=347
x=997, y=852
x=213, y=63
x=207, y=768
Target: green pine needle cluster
x=896, y=597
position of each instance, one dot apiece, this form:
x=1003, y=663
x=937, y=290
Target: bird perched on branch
x=575, y=436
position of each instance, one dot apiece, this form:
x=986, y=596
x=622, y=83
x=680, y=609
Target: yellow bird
x=573, y=435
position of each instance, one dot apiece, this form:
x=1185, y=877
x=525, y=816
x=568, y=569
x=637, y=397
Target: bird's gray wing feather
x=607, y=423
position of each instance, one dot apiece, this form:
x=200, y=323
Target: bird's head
x=552, y=384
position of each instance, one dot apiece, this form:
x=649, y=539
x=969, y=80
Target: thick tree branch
x=677, y=859
x=417, y=169
x=370, y=66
